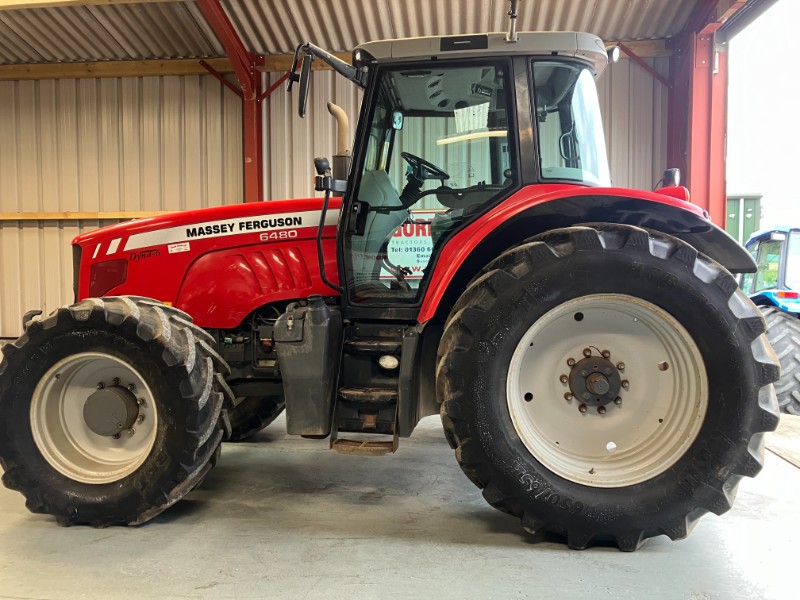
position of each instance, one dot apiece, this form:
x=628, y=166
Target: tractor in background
x=775, y=289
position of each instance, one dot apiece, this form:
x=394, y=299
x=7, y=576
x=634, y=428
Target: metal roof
x=179, y=29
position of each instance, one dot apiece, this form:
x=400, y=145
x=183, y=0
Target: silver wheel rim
x=650, y=424
x=65, y=440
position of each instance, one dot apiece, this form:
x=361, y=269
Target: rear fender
x=521, y=217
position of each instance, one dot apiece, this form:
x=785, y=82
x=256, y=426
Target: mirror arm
x=345, y=69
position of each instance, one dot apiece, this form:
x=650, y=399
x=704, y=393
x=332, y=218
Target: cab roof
x=585, y=46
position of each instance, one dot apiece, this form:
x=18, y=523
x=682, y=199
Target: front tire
x=606, y=384
x=110, y=411
x=251, y=414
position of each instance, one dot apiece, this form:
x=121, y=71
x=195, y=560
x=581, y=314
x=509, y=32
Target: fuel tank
x=218, y=264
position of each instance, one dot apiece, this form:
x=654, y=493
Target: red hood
x=203, y=215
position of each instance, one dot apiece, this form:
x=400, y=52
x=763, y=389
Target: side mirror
x=672, y=177
x=305, y=80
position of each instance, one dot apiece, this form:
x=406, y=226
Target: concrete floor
x=286, y=518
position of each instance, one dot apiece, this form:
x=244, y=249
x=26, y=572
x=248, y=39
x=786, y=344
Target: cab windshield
x=437, y=155
x=571, y=143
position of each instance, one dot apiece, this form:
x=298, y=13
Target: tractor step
x=364, y=447
x=373, y=346
x=381, y=396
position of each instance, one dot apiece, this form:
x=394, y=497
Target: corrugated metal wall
x=175, y=143
x=134, y=144
x=291, y=143
x=634, y=107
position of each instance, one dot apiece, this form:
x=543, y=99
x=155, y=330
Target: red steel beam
x=245, y=66
x=698, y=100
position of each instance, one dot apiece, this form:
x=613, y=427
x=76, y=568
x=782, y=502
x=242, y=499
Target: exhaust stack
x=341, y=160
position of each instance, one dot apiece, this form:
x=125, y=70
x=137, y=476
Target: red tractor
x=596, y=368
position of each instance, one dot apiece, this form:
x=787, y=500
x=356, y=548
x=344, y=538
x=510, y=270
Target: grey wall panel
x=291, y=143
x=155, y=143
x=137, y=144
x=634, y=107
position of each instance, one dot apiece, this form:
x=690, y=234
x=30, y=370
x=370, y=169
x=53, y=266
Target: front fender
x=526, y=214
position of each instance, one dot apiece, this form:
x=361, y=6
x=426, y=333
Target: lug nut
x=621, y=366
x=140, y=419
x=618, y=401
x=116, y=436
x=625, y=384
x=605, y=353
x=568, y=396
x=663, y=366
x=601, y=410
x=131, y=431
x=563, y=379
x=587, y=352
x=131, y=387
x=582, y=408
x=570, y=362
x=115, y=381
x=140, y=401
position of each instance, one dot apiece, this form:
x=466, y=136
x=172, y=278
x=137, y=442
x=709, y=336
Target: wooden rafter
x=16, y=4
x=80, y=216
x=113, y=68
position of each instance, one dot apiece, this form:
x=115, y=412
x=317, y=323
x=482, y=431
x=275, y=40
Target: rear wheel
x=110, y=411
x=783, y=332
x=606, y=384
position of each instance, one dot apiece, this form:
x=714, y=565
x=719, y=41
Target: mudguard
x=534, y=210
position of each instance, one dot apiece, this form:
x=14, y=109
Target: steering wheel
x=422, y=168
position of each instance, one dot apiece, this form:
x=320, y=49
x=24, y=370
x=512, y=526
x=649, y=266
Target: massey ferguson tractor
x=597, y=370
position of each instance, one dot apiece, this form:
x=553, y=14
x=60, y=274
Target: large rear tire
x=606, y=384
x=110, y=411
x=783, y=332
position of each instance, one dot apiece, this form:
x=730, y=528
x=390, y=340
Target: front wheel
x=110, y=411
x=251, y=414
x=606, y=384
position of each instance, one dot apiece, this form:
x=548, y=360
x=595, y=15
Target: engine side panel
x=218, y=264
x=223, y=287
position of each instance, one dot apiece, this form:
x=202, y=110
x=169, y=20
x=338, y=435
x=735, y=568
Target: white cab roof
x=585, y=46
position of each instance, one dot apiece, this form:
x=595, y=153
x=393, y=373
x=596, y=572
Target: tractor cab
x=449, y=128
x=777, y=280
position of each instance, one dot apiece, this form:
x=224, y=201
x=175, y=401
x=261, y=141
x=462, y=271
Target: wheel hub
x=595, y=380
x=110, y=410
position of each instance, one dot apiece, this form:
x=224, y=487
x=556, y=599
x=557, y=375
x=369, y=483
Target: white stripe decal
x=227, y=227
x=96, y=250
x=112, y=247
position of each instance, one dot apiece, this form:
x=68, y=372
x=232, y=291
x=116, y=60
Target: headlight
x=107, y=275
